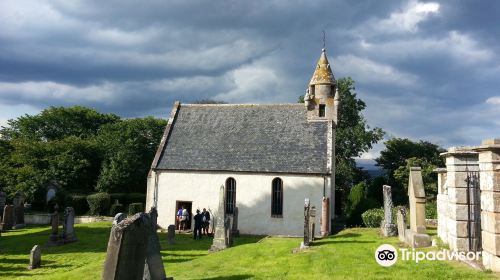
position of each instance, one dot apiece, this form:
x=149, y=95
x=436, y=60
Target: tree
x=400, y=154
x=353, y=137
x=128, y=148
x=56, y=123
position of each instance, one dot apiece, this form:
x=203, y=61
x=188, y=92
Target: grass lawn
x=348, y=255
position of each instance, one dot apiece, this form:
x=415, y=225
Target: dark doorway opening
x=188, y=206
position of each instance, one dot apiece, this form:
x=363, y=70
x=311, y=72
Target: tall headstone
x=127, y=248
x=401, y=221
x=35, y=257
x=153, y=268
x=312, y=223
x=54, y=231
x=220, y=236
x=307, y=232
x=69, y=225
x=234, y=227
x=3, y=200
x=8, y=217
x=416, y=236
x=388, y=227
x=18, y=202
x=230, y=231
x=171, y=235
x=325, y=217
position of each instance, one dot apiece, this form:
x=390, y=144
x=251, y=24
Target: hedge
x=99, y=203
x=134, y=208
x=116, y=208
x=136, y=198
x=373, y=217
x=79, y=203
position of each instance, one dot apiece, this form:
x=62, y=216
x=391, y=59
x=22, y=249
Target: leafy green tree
x=397, y=158
x=56, y=123
x=353, y=136
x=128, y=148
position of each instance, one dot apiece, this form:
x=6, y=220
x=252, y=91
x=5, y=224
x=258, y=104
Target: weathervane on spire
x=324, y=40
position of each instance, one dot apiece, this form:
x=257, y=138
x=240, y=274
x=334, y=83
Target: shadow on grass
x=90, y=239
x=16, y=271
x=230, y=277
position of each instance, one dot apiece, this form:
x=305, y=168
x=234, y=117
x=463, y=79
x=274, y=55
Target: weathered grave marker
x=154, y=269
x=171, y=235
x=127, y=248
x=35, y=257
x=220, y=236
x=69, y=226
x=388, y=227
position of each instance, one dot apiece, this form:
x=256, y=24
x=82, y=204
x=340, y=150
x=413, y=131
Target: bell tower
x=322, y=97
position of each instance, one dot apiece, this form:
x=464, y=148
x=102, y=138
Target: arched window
x=277, y=198
x=230, y=195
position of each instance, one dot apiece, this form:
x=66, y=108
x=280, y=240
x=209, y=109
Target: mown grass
x=348, y=255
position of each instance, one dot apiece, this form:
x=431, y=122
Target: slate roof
x=253, y=138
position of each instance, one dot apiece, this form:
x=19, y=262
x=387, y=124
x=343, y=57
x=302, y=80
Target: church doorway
x=188, y=205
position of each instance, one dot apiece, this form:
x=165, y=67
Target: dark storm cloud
x=427, y=70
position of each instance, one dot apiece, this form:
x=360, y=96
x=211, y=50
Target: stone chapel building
x=270, y=157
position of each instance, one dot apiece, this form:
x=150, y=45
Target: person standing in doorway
x=179, y=216
x=198, y=222
x=185, y=218
x=206, y=221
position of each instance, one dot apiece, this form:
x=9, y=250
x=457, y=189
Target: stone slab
x=491, y=242
x=490, y=201
x=490, y=222
x=417, y=240
x=491, y=261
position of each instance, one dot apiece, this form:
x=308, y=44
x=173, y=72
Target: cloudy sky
x=427, y=70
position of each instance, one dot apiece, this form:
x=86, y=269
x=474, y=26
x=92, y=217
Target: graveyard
x=349, y=254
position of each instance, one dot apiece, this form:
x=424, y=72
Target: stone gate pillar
x=489, y=169
x=459, y=161
x=442, y=205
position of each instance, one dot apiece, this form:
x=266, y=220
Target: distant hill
x=369, y=165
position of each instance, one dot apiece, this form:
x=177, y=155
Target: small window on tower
x=321, y=110
x=312, y=90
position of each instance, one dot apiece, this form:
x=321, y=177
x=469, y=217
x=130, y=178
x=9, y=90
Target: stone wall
x=453, y=212
x=489, y=165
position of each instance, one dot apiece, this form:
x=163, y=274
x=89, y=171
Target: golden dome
x=323, y=73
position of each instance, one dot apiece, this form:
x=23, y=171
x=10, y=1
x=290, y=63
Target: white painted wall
x=253, y=198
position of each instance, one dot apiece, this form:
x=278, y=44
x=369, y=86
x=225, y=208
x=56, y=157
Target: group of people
x=201, y=221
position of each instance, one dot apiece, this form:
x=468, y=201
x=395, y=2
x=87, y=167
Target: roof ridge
x=241, y=104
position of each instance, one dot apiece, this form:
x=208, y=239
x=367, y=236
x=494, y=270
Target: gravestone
x=69, y=226
x=312, y=223
x=35, y=257
x=415, y=235
x=230, y=231
x=8, y=217
x=307, y=233
x=18, y=202
x=127, y=248
x=234, y=227
x=220, y=236
x=325, y=217
x=401, y=221
x=54, y=239
x=153, y=268
x=51, y=193
x=3, y=200
x=119, y=217
x=171, y=235
x=388, y=227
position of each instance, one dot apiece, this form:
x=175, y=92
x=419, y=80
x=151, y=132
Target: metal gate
x=473, y=210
